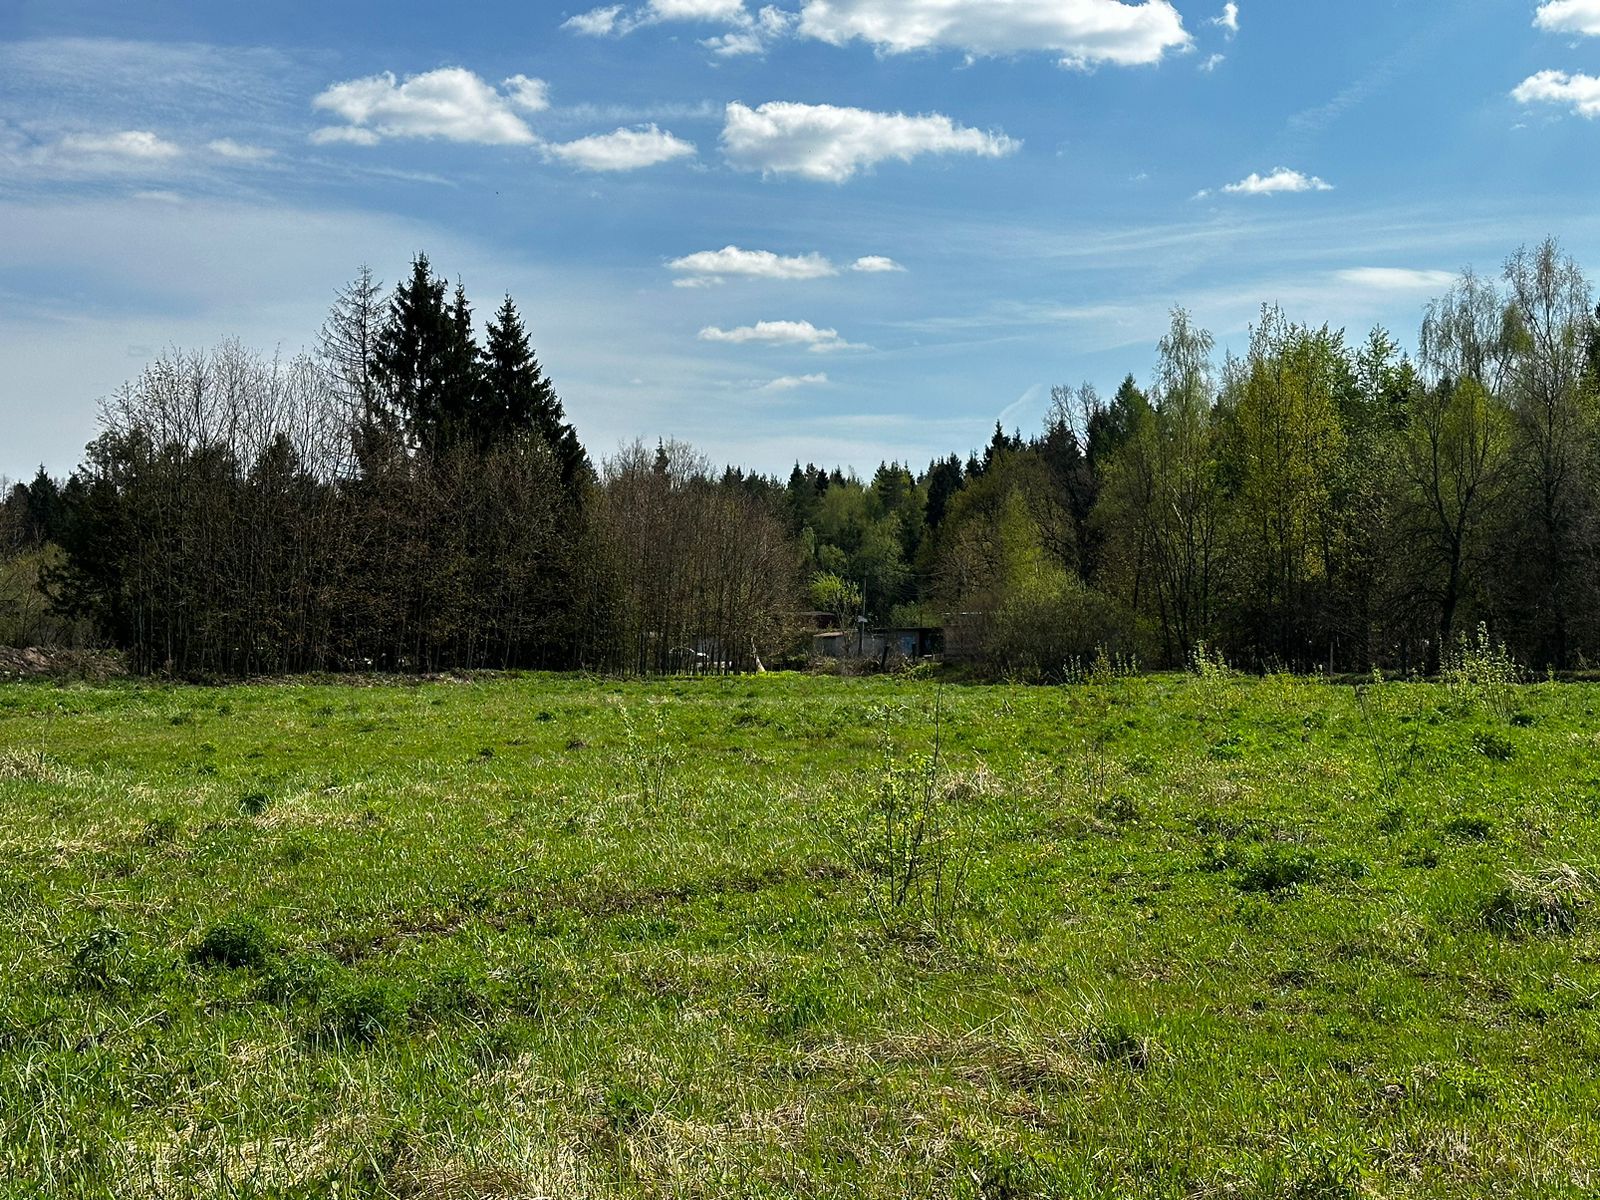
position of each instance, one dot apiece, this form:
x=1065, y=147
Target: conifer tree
x=519, y=399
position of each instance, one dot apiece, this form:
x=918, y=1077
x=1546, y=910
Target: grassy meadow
x=1180, y=936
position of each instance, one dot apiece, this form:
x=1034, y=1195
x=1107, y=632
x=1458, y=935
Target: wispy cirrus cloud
x=1229, y=20
x=832, y=144
x=1396, y=279
x=138, y=145
x=1578, y=92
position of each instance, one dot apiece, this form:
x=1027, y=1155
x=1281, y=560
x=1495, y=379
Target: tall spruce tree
x=519, y=399
x=426, y=361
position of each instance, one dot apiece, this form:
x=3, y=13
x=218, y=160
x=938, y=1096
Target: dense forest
x=410, y=496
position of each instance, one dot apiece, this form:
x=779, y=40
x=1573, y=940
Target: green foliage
x=910, y=841
x=1481, y=675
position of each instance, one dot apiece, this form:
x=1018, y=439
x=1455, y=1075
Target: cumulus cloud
x=748, y=33
x=1580, y=93
x=134, y=145
x=1081, y=32
x=875, y=264
x=1229, y=19
x=779, y=333
x=450, y=103
x=597, y=22
x=1570, y=16
x=832, y=144
x=788, y=383
x=696, y=10
x=753, y=264
x=622, y=149
x=1275, y=182
x=1396, y=279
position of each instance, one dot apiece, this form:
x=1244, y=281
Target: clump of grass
x=254, y=803
x=1115, y=1044
x=161, y=831
x=104, y=960
x=455, y=992
x=1548, y=902
x=794, y=1005
x=1470, y=827
x=1494, y=746
x=362, y=1009
x=236, y=942
x=1277, y=868
x=296, y=977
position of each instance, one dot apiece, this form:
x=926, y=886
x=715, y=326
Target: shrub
x=911, y=840
x=1481, y=674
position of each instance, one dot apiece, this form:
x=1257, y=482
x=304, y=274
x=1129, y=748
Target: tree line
x=411, y=496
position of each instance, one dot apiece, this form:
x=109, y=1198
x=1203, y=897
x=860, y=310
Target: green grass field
x=1179, y=936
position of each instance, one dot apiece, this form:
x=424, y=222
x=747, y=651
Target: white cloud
x=875, y=264
x=751, y=35
x=530, y=95
x=138, y=145
x=780, y=333
x=1229, y=19
x=1570, y=16
x=1397, y=279
x=597, y=22
x=788, y=383
x=697, y=10
x=450, y=103
x=829, y=143
x=1081, y=32
x=1579, y=92
x=1280, y=180
x=753, y=264
x=238, y=151
x=1212, y=63
x=352, y=135
x=747, y=34
x=622, y=150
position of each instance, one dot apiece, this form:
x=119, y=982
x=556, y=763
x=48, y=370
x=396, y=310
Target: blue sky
x=832, y=230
